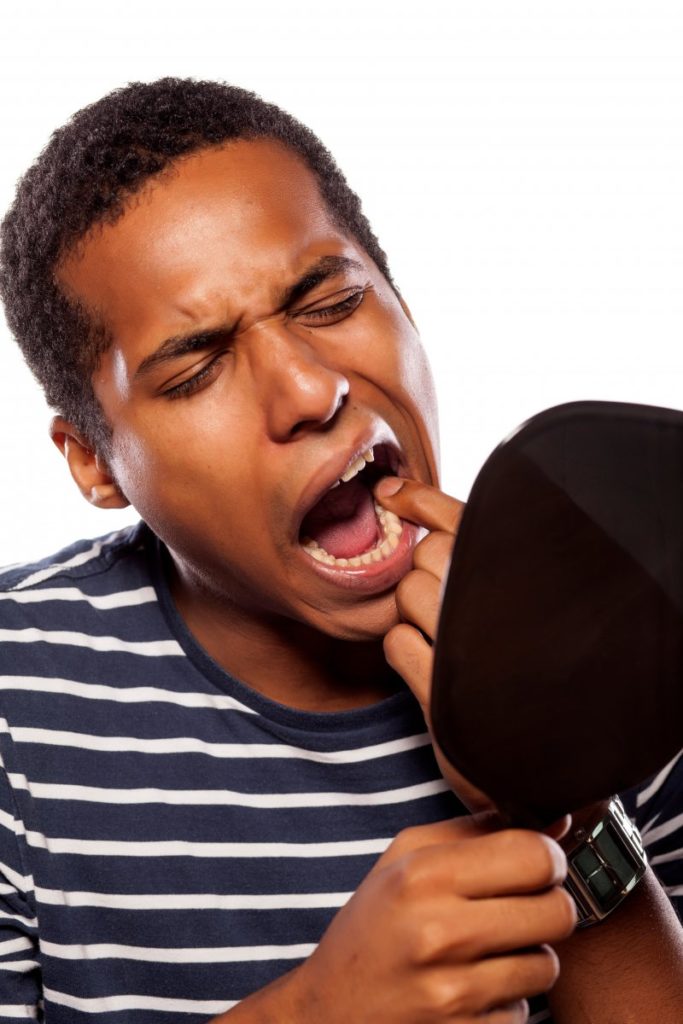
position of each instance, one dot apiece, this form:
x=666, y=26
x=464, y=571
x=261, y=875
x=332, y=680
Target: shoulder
x=92, y=587
x=83, y=563
x=89, y=614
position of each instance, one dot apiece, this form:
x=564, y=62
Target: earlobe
x=89, y=471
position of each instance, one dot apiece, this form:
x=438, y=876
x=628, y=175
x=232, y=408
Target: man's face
x=257, y=353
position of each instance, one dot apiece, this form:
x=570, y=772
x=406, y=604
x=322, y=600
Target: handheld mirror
x=558, y=671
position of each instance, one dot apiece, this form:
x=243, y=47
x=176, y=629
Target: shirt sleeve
x=657, y=808
x=20, y=983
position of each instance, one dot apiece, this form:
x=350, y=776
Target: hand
x=449, y=925
x=408, y=646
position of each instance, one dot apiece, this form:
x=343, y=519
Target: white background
x=522, y=164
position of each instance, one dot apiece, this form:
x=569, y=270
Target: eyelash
x=339, y=309
x=347, y=305
x=186, y=387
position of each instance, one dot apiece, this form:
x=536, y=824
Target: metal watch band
x=606, y=865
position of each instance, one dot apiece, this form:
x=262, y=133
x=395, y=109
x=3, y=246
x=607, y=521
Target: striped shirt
x=170, y=840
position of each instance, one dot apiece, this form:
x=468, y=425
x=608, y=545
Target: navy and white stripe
x=171, y=841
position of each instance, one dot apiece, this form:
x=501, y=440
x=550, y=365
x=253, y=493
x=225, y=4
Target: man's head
x=86, y=175
x=252, y=349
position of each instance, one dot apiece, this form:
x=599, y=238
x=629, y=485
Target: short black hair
x=102, y=156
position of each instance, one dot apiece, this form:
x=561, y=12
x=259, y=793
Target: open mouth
x=347, y=527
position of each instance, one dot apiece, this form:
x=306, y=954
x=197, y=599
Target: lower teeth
x=392, y=529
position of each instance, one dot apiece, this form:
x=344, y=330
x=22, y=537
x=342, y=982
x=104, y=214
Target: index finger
x=419, y=503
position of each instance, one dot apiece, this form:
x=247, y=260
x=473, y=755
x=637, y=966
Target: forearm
x=277, y=1003
x=627, y=969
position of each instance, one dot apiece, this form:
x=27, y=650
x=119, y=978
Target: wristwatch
x=605, y=865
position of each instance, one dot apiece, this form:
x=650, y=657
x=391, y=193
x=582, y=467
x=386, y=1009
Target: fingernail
x=559, y=859
x=387, y=486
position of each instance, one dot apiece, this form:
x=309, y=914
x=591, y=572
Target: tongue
x=343, y=522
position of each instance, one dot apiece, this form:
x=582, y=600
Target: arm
x=657, y=810
x=627, y=969
x=448, y=924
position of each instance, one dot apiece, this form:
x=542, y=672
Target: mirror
x=558, y=670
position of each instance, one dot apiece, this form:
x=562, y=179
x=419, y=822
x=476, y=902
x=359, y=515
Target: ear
x=89, y=470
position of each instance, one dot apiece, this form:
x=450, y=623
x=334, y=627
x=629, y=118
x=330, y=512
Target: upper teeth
x=355, y=467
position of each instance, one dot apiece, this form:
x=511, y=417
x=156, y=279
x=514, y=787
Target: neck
x=284, y=660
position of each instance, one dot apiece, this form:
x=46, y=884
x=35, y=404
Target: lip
x=337, y=464
x=376, y=577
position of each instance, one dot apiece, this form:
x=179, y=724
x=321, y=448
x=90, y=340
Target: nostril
x=328, y=417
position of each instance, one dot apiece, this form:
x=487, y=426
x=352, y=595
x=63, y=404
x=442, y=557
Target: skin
x=292, y=394
x=453, y=922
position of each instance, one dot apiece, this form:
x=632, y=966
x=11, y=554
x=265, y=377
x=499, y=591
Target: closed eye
x=203, y=376
x=310, y=316
x=324, y=316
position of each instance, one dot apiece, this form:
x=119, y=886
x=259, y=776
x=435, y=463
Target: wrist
x=605, y=859
x=281, y=1002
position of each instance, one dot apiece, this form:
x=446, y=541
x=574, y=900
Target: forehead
x=226, y=225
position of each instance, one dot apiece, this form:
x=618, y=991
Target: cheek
x=186, y=476
x=421, y=396
x=409, y=381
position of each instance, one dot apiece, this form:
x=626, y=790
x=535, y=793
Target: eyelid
x=190, y=372
x=333, y=299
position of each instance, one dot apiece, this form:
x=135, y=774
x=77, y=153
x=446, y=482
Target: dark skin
x=291, y=390
x=256, y=351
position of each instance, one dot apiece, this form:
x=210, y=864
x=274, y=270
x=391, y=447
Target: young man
x=219, y=799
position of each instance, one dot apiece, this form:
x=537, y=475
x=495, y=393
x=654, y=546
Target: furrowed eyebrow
x=327, y=266
x=185, y=344
x=182, y=345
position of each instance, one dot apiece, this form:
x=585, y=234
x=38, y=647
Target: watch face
x=558, y=672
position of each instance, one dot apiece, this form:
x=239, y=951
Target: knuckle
x=396, y=640
x=563, y=911
x=408, y=877
x=407, y=839
x=455, y=994
x=430, y=939
x=538, y=853
x=435, y=548
x=549, y=968
x=445, y=994
x=406, y=589
x=546, y=856
x=535, y=972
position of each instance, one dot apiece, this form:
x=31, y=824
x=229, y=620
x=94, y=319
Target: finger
x=420, y=503
x=508, y=923
x=418, y=599
x=497, y=982
x=517, y=861
x=409, y=654
x=513, y=1013
x=417, y=837
x=433, y=554
x=558, y=829
x=505, y=863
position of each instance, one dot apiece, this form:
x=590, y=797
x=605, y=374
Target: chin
x=367, y=621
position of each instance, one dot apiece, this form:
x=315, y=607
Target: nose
x=298, y=389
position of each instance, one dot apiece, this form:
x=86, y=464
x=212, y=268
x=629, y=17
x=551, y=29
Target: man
x=219, y=798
